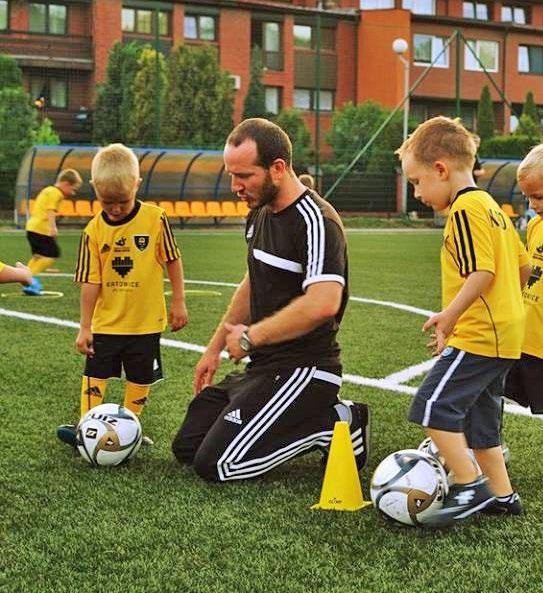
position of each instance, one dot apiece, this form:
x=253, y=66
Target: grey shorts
x=463, y=393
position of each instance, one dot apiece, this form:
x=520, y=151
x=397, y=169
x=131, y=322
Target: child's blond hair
x=70, y=176
x=307, y=180
x=440, y=138
x=115, y=172
x=532, y=163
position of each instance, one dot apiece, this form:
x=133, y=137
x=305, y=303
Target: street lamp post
x=400, y=47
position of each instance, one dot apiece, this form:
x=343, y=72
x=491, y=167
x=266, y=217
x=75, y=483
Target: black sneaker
x=67, y=434
x=360, y=432
x=505, y=505
x=462, y=501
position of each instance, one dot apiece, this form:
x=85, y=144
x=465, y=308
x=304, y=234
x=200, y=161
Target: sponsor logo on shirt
x=122, y=265
x=250, y=232
x=105, y=248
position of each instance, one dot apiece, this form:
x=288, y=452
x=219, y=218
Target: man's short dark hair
x=271, y=141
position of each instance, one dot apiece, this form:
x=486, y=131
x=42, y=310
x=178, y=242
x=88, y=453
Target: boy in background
x=18, y=273
x=120, y=270
x=524, y=383
x=41, y=228
x=479, y=332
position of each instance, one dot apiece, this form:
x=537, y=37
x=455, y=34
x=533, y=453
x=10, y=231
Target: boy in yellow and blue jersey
x=524, y=383
x=479, y=332
x=122, y=253
x=41, y=228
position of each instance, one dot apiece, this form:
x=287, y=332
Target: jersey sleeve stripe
x=170, y=245
x=461, y=246
x=315, y=237
x=83, y=260
x=470, y=242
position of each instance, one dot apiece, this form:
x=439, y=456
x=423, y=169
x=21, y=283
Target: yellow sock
x=135, y=397
x=38, y=264
x=92, y=393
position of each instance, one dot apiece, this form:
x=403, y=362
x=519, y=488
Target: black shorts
x=43, y=245
x=524, y=383
x=463, y=393
x=138, y=355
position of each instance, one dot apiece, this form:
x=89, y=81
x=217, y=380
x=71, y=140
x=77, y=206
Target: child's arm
x=89, y=296
x=444, y=322
x=525, y=272
x=52, y=217
x=178, y=317
x=18, y=273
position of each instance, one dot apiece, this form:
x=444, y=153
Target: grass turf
x=155, y=527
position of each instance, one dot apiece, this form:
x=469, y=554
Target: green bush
x=292, y=121
x=512, y=146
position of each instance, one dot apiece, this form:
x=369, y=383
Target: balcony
x=47, y=51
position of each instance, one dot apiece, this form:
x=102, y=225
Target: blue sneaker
x=34, y=289
x=67, y=433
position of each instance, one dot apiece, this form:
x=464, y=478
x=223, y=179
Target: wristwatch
x=245, y=342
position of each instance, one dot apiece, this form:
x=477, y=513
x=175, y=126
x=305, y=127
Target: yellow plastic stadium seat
x=198, y=209
x=508, y=209
x=242, y=208
x=168, y=207
x=214, y=209
x=229, y=210
x=182, y=209
x=96, y=207
x=83, y=208
x=66, y=208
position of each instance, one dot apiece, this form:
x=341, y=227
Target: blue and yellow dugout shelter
x=187, y=183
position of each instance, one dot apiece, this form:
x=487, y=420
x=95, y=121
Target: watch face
x=245, y=343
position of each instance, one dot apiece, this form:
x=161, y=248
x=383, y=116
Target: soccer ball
x=108, y=435
x=409, y=486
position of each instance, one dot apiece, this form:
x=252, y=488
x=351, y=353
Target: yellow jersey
x=533, y=291
x=48, y=199
x=126, y=258
x=479, y=236
x=2, y=266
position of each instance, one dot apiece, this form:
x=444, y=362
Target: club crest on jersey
x=141, y=242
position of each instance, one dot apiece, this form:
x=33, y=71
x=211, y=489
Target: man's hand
x=83, y=342
x=179, y=316
x=205, y=370
x=233, y=348
x=443, y=324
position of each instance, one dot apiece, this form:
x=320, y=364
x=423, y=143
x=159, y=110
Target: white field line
x=392, y=382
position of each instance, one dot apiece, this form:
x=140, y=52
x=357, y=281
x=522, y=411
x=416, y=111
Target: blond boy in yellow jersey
x=479, y=332
x=18, y=273
x=41, y=228
x=122, y=253
x=525, y=380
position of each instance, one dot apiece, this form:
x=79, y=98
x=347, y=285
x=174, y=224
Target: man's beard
x=268, y=193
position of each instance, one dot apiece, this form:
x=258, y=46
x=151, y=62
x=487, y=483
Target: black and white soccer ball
x=409, y=486
x=108, y=435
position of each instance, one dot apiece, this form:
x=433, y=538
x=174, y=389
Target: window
x=268, y=35
x=530, y=59
x=515, y=14
x=376, y=4
x=143, y=22
x=486, y=51
x=302, y=36
x=273, y=99
x=476, y=10
x=47, y=18
x=200, y=27
x=306, y=100
x=420, y=6
x=305, y=37
x=3, y=15
x=54, y=91
x=427, y=48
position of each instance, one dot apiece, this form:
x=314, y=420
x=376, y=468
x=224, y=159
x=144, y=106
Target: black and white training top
x=287, y=252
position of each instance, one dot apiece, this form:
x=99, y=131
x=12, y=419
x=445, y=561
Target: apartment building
x=62, y=48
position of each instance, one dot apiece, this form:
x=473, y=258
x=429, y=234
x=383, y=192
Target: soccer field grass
x=155, y=527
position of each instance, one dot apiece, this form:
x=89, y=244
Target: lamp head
x=400, y=46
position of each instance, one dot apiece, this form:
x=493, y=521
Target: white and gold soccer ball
x=408, y=486
x=108, y=434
